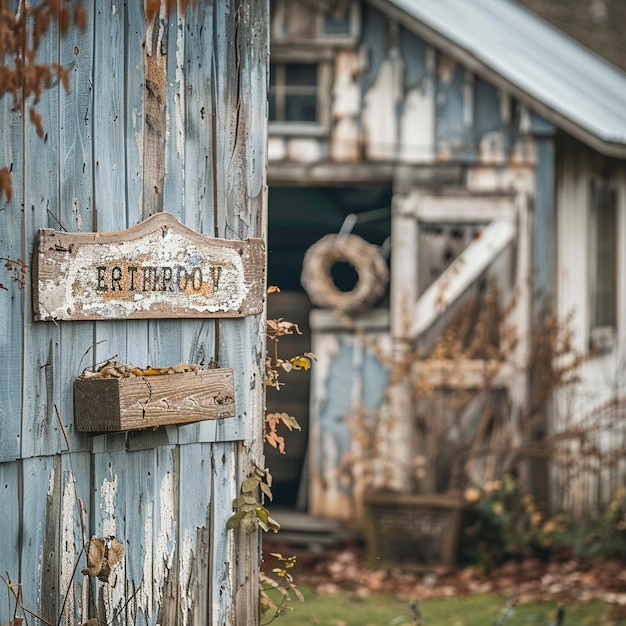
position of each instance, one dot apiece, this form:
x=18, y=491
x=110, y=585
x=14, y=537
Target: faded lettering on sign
x=156, y=269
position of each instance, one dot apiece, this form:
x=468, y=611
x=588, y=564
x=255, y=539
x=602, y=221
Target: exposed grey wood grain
x=223, y=555
x=195, y=533
x=40, y=504
x=243, y=213
x=75, y=210
x=148, y=401
x=109, y=517
x=75, y=490
x=167, y=498
x=41, y=382
x=11, y=155
x=141, y=472
x=9, y=556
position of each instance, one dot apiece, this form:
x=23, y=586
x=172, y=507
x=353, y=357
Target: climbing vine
x=249, y=510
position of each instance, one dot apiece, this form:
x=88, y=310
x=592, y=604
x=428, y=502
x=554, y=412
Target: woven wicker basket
x=417, y=530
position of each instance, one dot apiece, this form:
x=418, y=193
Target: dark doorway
x=298, y=217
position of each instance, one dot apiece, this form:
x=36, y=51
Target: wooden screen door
x=443, y=243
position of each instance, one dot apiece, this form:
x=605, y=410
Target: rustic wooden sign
x=156, y=269
x=117, y=404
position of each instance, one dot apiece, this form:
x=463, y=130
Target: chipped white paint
x=491, y=148
x=525, y=123
x=108, y=491
x=521, y=179
x=179, y=97
x=186, y=562
x=346, y=90
x=380, y=122
x=113, y=593
x=51, y=483
x=68, y=549
x=145, y=594
x=304, y=150
x=417, y=126
x=345, y=144
x=84, y=607
x=345, y=140
x=159, y=268
x=166, y=538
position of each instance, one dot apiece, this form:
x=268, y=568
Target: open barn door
x=452, y=250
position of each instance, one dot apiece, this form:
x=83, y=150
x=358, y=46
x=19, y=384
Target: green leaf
x=263, y=514
x=234, y=520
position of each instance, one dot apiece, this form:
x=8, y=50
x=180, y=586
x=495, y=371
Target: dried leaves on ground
x=527, y=580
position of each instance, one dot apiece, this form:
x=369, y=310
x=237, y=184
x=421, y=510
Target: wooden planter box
x=118, y=404
x=417, y=530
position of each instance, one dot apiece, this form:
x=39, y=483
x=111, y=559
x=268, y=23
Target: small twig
x=18, y=602
x=69, y=586
x=125, y=604
x=103, y=362
x=53, y=216
x=88, y=350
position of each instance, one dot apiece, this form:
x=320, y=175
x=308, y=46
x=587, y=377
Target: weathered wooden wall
x=396, y=99
x=169, y=117
x=592, y=481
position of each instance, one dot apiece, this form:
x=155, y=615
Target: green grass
x=479, y=610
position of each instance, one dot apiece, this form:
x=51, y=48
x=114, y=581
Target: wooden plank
x=225, y=547
x=158, y=268
x=39, y=547
x=454, y=110
x=9, y=555
x=458, y=276
x=73, y=536
x=75, y=210
x=11, y=155
x=109, y=518
x=149, y=401
x=241, y=212
x=198, y=341
x=41, y=383
x=137, y=331
x=165, y=565
x=164, y=140
x=141, y=471
x=109, y=122
x=464, y=207
x=194, y=533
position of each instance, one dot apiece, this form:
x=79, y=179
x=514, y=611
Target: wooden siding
x=396, y=99
x=169, y=118
x=349, y=381
x=590, y=483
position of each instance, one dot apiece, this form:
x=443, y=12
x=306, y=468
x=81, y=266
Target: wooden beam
x=464, y=208
x=459, y=276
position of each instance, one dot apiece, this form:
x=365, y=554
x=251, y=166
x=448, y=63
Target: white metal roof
x=558, y=77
